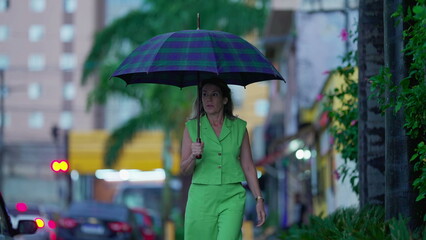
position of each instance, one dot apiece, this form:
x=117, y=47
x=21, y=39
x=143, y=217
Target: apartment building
x=43, y=44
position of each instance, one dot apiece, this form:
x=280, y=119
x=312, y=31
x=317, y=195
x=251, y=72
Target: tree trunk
x=397, y=167
x=371, y=136
x=400, y=195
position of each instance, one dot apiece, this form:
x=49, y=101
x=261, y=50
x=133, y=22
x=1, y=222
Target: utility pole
x=2, y=93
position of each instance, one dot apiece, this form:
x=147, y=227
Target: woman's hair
x=228, y=108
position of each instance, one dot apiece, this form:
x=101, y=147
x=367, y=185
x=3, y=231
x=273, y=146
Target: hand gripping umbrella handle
x=199, y=156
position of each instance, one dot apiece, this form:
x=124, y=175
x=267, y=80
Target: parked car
x=45, y=225
x=7, y=232
x=145, y=195
x=91, y=220
x=145, y=222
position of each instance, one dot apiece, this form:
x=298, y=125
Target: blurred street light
x=304, y=154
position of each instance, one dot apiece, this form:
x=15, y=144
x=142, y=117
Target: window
x=70, y=6
x=69, y=91
x=67, y=33
x=65, y=121
x=34, y=91
x=67, y=61
x=36, y=62
x=6, y=119
x=36, y=120
x=4, y=5
x=37, y=5
x=4, y=33
x=35, y=33
x=4, y=62
x=4, y=92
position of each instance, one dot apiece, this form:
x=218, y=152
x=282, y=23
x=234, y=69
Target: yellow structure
x=326, y=157
x=253, y=94
x=86, y=152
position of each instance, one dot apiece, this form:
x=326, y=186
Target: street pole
x=2, y=91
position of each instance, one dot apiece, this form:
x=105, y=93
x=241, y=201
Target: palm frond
x=130, y=28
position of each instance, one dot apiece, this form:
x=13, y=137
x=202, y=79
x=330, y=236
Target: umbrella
x=186, y=58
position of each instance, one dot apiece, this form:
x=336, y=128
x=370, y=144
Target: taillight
x=21, y=207
x=67, y=222
x=51, y=224
x=39, y=222
x=119, y=227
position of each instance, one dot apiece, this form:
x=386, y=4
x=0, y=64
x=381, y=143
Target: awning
x=144, y=152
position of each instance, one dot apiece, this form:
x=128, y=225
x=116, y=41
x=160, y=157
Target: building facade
x=305, y=40
x=43, y=44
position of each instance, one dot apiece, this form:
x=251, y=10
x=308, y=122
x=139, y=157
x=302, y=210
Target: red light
x=21, y=207
x=51, y=224
x=59, y=165
x=119, y=227
x=40, y=222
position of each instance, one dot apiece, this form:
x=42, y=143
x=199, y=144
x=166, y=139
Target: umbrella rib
x=214, y=54
x=158, y=50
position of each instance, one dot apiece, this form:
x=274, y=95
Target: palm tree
x=399, y=195
x=371, y=137
x=161, y=107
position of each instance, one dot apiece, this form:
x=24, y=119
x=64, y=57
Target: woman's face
x=212, y=98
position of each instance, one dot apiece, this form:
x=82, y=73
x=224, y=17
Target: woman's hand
x=260, y=210
x=197, y=148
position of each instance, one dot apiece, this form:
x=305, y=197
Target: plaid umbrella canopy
x=186, y=58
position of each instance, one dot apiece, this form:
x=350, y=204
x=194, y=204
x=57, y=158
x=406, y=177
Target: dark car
x=45, y=224
x=95, y=221
x=7, y=232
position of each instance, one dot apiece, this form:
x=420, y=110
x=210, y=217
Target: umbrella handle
x=200, y=155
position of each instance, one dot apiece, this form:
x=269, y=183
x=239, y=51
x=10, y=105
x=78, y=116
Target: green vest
x=220, y=163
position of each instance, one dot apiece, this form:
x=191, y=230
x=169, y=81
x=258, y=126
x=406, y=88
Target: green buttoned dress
x=216, y=198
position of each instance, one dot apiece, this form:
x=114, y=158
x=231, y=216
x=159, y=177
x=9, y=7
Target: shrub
x=354, y=224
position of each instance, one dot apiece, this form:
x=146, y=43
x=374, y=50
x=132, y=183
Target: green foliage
x=162, y=107
x=354, y=224
x=411, y=93
x=342, y=108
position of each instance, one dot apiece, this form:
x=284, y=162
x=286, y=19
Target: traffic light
x=59, y=166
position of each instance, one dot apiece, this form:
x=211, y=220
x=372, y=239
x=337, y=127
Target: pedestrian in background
x=216, y=198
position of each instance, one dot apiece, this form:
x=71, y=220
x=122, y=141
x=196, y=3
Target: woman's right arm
x=189, y=151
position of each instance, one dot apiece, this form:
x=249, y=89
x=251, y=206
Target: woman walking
x=216, y=198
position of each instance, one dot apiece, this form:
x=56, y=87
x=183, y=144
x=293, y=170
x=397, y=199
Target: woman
x=216, y=198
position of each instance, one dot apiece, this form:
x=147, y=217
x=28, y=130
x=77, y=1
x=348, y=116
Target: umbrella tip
x=198, y=21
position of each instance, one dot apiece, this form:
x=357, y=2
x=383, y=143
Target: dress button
x=220, y=154
x=219, y=166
